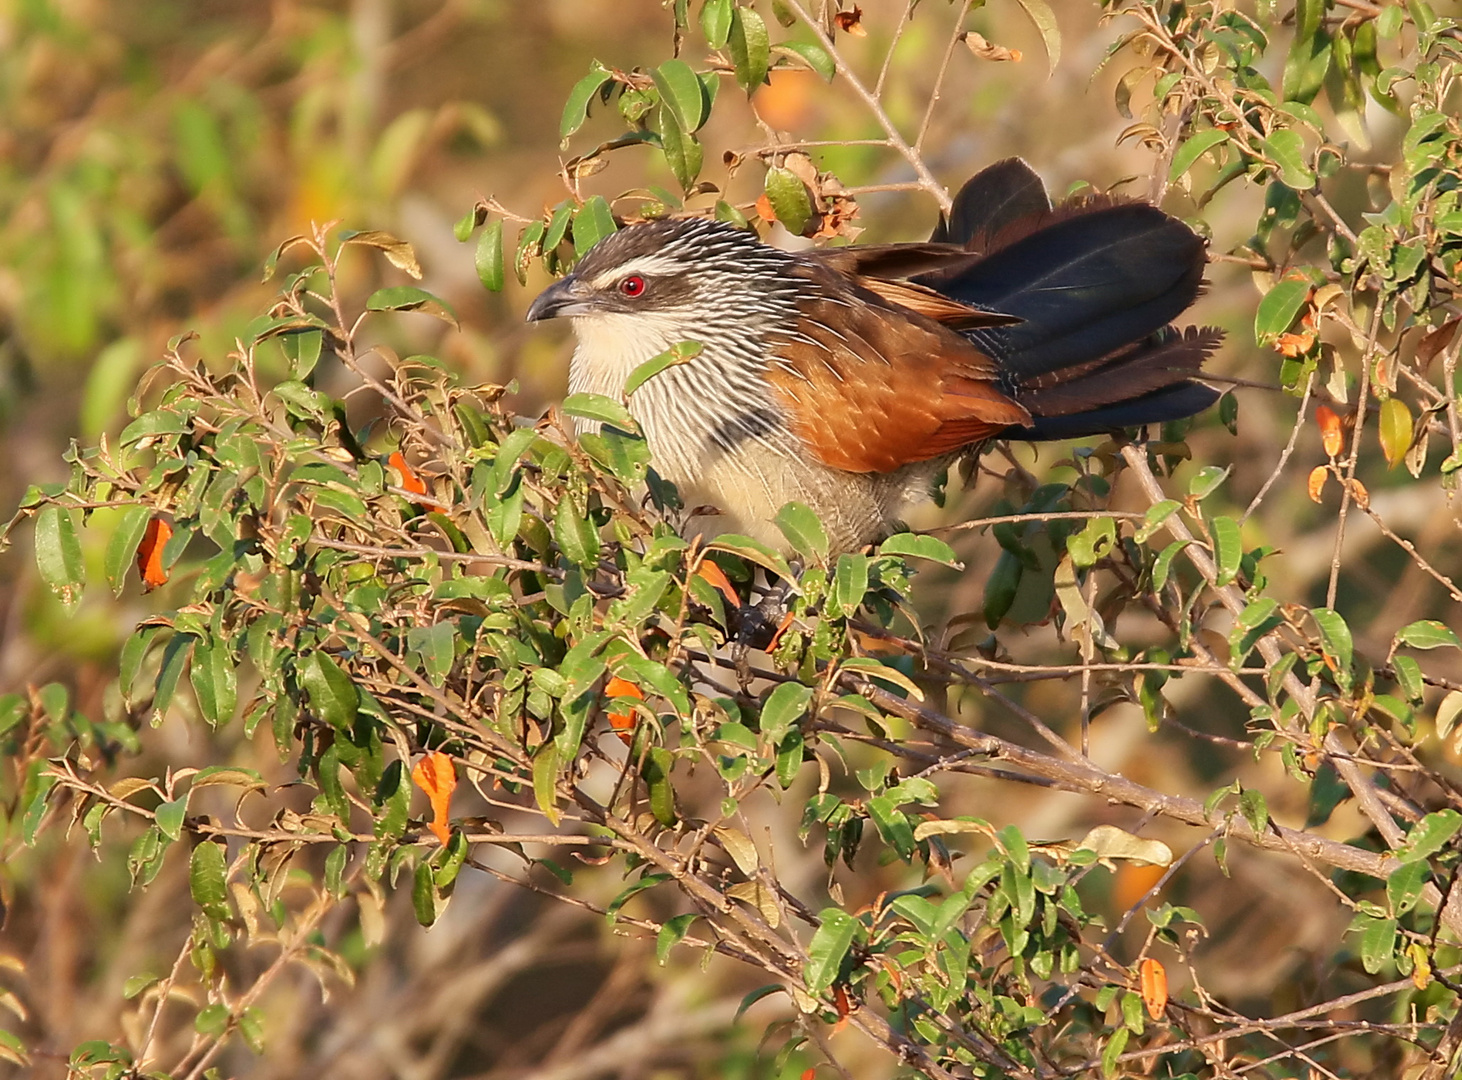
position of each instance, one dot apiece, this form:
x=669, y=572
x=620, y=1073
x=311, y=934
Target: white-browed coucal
x=848, y=378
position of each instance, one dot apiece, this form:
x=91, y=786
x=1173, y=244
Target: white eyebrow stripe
x=650, y=265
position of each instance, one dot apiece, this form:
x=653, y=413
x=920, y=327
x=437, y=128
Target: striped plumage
x=847, y=378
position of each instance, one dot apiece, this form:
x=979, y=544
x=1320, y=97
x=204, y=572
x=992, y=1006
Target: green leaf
x=1286, y=148
x=575, y=534
x=649, y=881
x=1256, y=620
x=1189, y=153
x=1309, y=55
x=1113, y=1050
x=332, y=694
x=789, y=199
x=784, y=706
x=671, y=934
x=1377, y=944
x=829, y=948
x=576, y=108
x=656, y=773
x=1335, y=639
x=752, y=997
x=750, y=48
x=1153, y=520
x=135, y=984
x=303, y=352
x=803, y=530
x=545, y=779
x=593, y=222
x=716, y=22
x=1015, y=845
x=122, y=547
x=489, y=256
x=1045, y=19
x=1279, y=307
x=251, y=1027
x=1254, y=809
x=683, y=152
x=811, y=54
x=1427, y=634
x=35, y=810
x=1206, y=481
x=1409, y=679
x=212, y=1020
x=1429, y=835
x=850, y=583
x=215, y=682
x=151, y=425
x=174, y=654
x=870, y=668
x=207, y=868
x=753, y=551
x=920, y=546
x=1001, y=588
x=892, y=824
x=603, y=409
x=1228, y=548
x=1404, y=886
x=410, y=298
x=58, y=554
x=682, y=352
x=425, y=901
x=1162, y=566
x=682, y=92
x=170, y=817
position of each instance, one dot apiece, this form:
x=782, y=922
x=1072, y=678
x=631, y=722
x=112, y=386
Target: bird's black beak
x=561, y=299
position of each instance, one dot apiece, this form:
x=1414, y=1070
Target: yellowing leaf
x=1396, y=430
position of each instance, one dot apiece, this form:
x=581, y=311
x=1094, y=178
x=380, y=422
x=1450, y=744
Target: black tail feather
x=1158, y=407
x=1083, y=286
x=994, y=197
x=1096, y=284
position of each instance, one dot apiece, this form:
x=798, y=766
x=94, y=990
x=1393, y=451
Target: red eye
x=633, y=285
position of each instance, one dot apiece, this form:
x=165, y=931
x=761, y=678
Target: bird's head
x=683, y=277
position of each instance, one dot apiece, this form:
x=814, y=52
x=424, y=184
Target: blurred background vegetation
x=154, y=152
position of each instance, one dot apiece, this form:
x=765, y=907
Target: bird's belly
x=749, y=485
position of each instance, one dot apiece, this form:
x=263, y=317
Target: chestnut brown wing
x=872, y=386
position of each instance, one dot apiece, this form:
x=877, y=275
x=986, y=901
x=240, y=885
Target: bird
x=849, y=378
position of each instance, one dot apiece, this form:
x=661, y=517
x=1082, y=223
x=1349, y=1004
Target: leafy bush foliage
x=402, y=584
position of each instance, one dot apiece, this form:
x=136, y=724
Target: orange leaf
x=1318, y=475
x=622, y=722
x=809, y=1074
x=717, y=577
x=409, y=480
x=437, y=776
x=149, y=554
x=1295, y=345
x=1331, y=435
x=764, y=208
x=782, y=629
x=843, y=1006
x=1154, y=987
